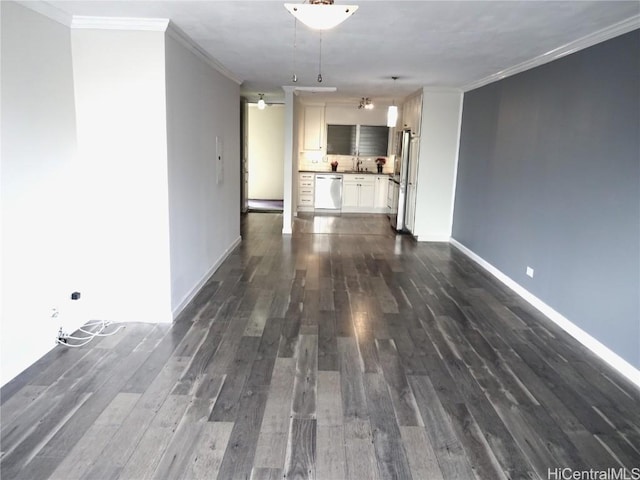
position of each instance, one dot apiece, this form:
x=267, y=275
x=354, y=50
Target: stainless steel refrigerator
x=398, y=207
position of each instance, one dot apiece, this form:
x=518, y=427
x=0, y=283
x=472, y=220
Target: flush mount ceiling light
x=365, y=102
x=392, y=112
x=320, y=14
x=261, y=102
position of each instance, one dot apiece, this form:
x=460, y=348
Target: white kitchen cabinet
x=350, y=195
x=306, y=186
x=390, y=193
x=436, y=173
x=412, y=114
x=381, y=188
x=313, y=127
x=412, y=185
x=358, y=193
x=367, y=195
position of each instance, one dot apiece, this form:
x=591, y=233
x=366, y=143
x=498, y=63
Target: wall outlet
x=62, y=337
x=529, y=272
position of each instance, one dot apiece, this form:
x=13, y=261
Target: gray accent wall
x=549, y=177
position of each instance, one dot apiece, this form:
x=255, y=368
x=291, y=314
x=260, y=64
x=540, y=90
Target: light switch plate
x=219, y=161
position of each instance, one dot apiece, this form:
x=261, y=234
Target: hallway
x=342, y=351
x=271, y=206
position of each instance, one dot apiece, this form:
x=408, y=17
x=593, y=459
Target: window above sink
x=357, y=140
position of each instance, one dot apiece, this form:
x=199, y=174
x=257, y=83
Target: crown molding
x=315, y=89
x=126, y=23
x=153, y=25
x=620, y=28
x=120, y=23
x=441, y=90
x=181, y=37
x=49, y=11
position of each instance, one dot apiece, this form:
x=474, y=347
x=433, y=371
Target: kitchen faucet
x=358, y=163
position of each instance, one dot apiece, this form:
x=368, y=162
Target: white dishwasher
x=328, y=192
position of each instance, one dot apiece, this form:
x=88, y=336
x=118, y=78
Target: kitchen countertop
x=348, y=172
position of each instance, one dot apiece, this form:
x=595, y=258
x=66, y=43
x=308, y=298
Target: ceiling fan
x=262, y=103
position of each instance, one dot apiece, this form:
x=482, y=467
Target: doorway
x=265, y=158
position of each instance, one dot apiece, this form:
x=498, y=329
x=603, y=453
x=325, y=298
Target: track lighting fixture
x=366, y=103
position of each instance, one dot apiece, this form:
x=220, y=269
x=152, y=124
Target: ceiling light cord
x=393, y=100
x=320, y=61
x=392, y=111
x=294, y=77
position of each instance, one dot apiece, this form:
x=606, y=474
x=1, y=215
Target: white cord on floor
x=101, y=327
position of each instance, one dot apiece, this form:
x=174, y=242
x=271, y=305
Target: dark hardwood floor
x=340, y=352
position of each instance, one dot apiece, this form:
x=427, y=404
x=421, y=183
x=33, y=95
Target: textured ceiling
x=425, y=43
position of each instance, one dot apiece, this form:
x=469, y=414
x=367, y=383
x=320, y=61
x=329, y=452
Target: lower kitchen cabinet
x=358, y=193
x=350, y=195
x=365, y=193
x=380, y=193
x=306, y=192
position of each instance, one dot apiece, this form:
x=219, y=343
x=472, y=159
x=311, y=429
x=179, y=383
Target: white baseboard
x=194, y=291
x=593, y=344
x=433, y=238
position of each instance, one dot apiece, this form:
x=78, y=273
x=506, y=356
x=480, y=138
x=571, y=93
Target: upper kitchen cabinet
x=412, y=113
x=313, y=127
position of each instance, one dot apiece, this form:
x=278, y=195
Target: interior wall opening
x=265, y=152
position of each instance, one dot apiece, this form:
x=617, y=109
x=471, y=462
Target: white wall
x=90, y=192
x=440, y=133
x=120, y=107
x=41, y=211
x=204, y=210
x=291, y=148
x=266, y=152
